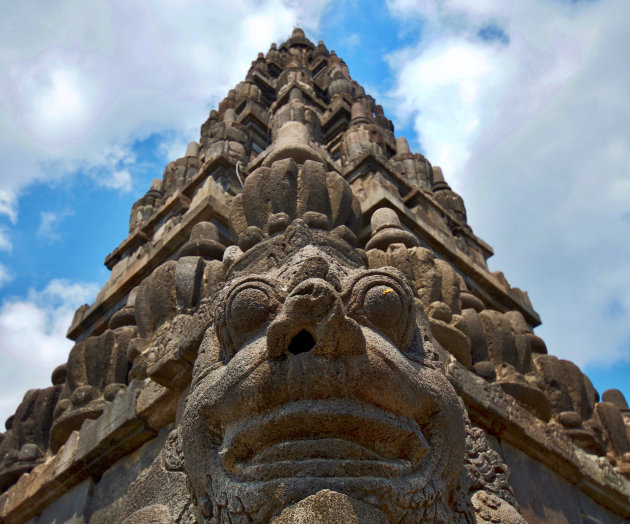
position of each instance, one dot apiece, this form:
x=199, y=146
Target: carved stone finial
x=297, y=39
x=320, y=50
x=25, y=443
x=156, y=187
x=615, y=397
x=125, y=316
x=204, y=242
x=402, y=146
x=192, y=150
x=447, y=197
x=414, y=167
x=387, y=230
x=358, y=113
x=439, y=184
x=293, y=141
x=229, y=116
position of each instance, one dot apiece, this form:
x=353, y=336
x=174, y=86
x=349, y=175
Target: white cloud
x=533, y=130
x=353, y=40
x=120, y=179
x=5, y=275
x=173, y=147
x=5, y=240
x=33, y=337
x=445, y=87
x=8, y=202
x=49, y=223
x=80, y=79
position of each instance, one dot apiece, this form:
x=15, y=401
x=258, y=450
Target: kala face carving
x=315, y=376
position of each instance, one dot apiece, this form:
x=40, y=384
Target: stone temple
x=301, y=327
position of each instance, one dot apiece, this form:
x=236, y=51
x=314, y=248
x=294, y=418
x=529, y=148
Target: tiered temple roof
x=125, y=381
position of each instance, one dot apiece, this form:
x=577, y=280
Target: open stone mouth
x=323, y=438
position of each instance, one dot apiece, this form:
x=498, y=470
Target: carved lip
x=323, y=438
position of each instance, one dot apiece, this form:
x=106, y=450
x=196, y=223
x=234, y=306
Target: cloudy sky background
x=524, y=103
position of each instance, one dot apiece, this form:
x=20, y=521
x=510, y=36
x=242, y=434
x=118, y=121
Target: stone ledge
x=87, y=452
x=209, y=208
x=368, y=162
x=142, y=234
x=500, y=415
x=500, y=298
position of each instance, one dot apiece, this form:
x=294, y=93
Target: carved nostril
x=301, y=343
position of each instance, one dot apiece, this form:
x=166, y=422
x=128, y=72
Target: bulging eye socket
x=248, y=309
x=382, y=305
x=248, y=306
x=381, y=302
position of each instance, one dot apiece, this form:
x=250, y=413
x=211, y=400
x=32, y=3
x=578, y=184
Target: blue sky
x=523, y=103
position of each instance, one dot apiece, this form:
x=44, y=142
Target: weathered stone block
x=115, y=433
x=71, y=507
x=546, y=497
x=330, y=507
x=157, y=405
x=109, y=494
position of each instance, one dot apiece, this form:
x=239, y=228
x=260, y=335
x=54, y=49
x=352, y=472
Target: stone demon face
x=314, y=376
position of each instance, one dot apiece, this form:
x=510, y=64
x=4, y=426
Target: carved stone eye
x=382, y=306
x=381, y=299
x=248, y=310
x=248, y=306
